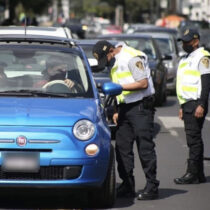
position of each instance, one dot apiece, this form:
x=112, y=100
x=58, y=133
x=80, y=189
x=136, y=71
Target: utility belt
x=145, y=103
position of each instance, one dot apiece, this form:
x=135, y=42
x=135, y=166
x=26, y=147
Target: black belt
x=145, y=99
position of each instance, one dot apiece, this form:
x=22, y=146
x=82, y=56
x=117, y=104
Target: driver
x=57, y=71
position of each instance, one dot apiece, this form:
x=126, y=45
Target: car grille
x=45, y=173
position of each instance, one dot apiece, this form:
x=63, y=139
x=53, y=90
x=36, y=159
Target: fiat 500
x=53, y=129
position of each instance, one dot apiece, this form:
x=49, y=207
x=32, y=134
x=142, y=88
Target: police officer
x=135, y=115
x=193, y=81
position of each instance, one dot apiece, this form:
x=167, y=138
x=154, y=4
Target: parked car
x=52, y=134
x=169, y=48
x=135, y=26
x=111, y=29
x=62, y=32
x=205, y=38
x=157, y=29
x=148, y=45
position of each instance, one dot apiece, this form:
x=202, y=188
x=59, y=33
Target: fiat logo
x=21, y=141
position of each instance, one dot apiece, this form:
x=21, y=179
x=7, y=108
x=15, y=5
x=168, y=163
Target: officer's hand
x=115, y=118
x=199, y=112
x=69, y=83
x=180, y=114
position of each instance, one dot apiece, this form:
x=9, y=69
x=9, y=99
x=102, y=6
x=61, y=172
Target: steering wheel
x=58, y=86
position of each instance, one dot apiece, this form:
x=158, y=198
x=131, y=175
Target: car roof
x=134, y=35
x=62, y=32
x=32, y=39
x=157, y=29
x=92, y=41
x=157, y=34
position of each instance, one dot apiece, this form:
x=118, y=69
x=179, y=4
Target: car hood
x=45, y=112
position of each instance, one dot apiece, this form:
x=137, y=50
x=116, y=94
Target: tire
x=105, y=196
x=161, y=95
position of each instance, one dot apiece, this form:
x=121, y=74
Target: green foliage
x=37, y=6
x=133, y=9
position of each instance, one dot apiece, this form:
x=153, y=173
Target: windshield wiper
x=33, y=93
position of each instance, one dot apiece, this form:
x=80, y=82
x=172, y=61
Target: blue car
x=53, y=129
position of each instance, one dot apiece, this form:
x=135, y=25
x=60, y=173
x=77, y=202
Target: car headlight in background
x=84, y=130
x=84, y=27
x=169, y=64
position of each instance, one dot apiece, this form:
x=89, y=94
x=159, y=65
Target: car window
x=165, y=46
x=88, y=50
x=32, y=68
x=145, y=45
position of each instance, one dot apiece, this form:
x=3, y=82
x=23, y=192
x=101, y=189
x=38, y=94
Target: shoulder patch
x=139, y=64
x=205, y=62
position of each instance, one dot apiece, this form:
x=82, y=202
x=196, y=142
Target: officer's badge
x=140, y=65
x=186, y=32
x=205, y=62
x=95, y=55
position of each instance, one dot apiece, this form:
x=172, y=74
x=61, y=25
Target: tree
x=133, y=9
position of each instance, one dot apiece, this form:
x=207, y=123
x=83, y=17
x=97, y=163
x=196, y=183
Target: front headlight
x=84, y=130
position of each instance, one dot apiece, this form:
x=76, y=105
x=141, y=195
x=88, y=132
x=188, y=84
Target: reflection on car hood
x=45, y=112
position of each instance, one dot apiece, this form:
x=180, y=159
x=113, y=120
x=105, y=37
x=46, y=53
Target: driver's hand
x=69, y=83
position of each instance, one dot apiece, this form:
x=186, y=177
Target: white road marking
x=170, y=123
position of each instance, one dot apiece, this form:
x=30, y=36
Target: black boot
x=191, y=176
x=150, y=192
x=127, y=188
x=201, y=175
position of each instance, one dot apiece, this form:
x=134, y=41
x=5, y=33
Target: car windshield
x=145, y=45
x=165, y=46
x=29, y=71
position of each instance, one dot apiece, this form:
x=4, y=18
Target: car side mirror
x=111, y=89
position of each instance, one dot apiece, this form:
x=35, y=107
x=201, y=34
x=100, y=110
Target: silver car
x=169, y=48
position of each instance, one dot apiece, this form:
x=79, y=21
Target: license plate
x=20, y=162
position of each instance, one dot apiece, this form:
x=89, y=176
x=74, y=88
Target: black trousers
x=136, y=123
x=193, y=130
